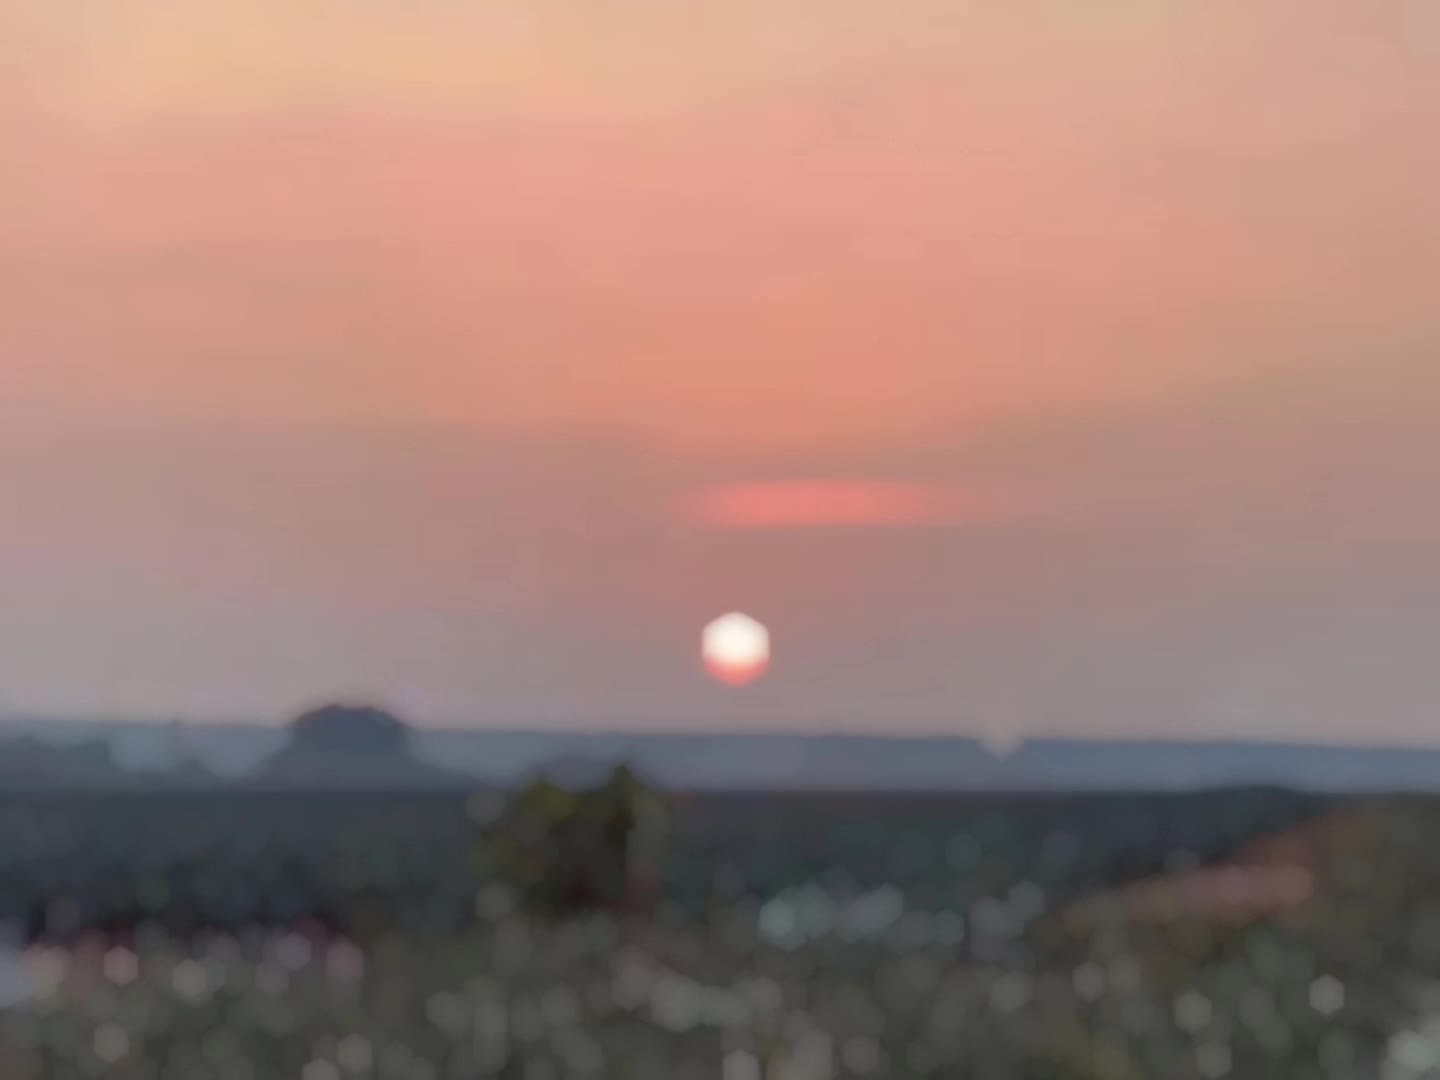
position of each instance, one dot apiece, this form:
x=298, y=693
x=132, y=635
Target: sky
x=1035, y=368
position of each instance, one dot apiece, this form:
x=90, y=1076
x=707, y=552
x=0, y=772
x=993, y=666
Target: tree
x=565, y=851
x=350, y=729
x=353, y=746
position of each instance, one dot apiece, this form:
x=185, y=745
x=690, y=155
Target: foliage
x=563, y=850
x=350, y=729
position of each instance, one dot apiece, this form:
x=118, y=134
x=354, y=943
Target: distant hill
x=753, y=762
x=27, y=761
x=351, y=747
x=30, y=762
x=760, y=762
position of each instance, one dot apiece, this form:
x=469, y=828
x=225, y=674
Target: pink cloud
x=802, y=504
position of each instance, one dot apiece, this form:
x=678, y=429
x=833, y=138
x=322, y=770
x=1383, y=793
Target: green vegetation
x=566, y=851
x=435, y=935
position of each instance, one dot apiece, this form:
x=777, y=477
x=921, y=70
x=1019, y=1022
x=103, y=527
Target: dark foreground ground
x=242, y=935
x=227, y=859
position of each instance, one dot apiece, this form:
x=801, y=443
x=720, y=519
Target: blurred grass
x=799, y=939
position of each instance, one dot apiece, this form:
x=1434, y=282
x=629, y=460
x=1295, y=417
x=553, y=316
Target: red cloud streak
x=815, y=503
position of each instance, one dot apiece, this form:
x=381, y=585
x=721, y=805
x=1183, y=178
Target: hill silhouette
x=27, y=762
x=352, y=746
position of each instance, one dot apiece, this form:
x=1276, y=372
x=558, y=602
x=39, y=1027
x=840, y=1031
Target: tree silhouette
x=564, y=851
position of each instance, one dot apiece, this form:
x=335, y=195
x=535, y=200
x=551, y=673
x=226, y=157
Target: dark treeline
x=352, y=860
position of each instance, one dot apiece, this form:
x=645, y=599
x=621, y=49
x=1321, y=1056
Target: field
x=233, y=858
x=245, y=935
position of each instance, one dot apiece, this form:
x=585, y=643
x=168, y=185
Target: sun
x=736, y=649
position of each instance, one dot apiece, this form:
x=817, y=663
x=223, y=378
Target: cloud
x=835, y=503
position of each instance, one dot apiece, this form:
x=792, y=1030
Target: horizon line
x=516, y=726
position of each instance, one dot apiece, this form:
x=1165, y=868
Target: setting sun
x=736, y=649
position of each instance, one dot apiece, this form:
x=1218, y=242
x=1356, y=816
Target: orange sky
x=422, y=307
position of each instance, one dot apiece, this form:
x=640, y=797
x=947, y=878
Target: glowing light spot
x=736, y=649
